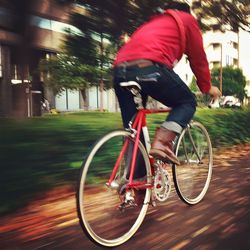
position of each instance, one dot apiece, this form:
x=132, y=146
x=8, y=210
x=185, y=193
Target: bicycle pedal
x=153, y=203
x=127, y=205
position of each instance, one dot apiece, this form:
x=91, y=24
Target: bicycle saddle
x=131, y=84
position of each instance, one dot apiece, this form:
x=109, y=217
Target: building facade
x=29, y=31
x=34, y=29
x=226, y=48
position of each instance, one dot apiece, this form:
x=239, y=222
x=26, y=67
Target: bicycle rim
x=98, y=205
x=193, y=175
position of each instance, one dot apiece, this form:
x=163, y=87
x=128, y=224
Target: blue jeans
x=161, y=83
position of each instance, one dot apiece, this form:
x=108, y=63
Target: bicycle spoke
x=104, y=217
x=194, y=152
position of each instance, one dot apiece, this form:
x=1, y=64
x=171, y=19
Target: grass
x=40, y=153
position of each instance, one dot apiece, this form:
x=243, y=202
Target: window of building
x=235, y=45
x=229, y=60
x=7, y=18
x=53, y=25
x=216, y=64
x=236, y=62
x=17, y=71
x=216, y=46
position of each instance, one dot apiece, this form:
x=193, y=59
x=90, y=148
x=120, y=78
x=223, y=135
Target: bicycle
x=108, y=204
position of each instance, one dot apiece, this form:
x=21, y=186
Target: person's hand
x=214, y=92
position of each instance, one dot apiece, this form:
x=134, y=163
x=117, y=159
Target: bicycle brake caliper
x=132, y=130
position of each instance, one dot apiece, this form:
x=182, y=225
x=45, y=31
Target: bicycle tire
x=192, y=177
x=89, y=217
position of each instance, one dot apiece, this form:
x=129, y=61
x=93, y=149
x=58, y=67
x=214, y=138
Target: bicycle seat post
x=135, y=89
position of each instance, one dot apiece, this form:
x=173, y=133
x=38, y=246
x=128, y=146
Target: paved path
x=221, y=221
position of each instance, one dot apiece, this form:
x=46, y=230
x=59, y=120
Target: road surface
x=221, y=221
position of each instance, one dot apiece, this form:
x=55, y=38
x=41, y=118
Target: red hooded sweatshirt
x=159, y=40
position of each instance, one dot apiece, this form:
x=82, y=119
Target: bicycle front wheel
x=99, y=205
x=193, y=175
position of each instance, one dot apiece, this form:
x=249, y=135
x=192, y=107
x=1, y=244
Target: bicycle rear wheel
x=193, y=175
x=99, y=205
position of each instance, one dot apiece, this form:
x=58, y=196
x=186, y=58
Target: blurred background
x=56, y=95
x=57, y=54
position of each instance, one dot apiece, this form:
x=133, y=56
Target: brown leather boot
x=162, y=146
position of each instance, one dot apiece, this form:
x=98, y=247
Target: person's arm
x=198, y=59
x=214, y=92
x=197, y=56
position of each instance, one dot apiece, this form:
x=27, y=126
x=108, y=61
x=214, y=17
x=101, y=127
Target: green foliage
x=109, y=20
x=65, y=71
x=222, y=12
x=226, y=127
x=193, y=86
x=113, y=18
x=40, y=153
x=233, y=81
x=82, y=47
x=202, y=100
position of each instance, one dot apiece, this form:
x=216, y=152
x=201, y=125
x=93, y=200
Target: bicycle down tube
x=138, y=125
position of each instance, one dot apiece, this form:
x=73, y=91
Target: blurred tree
x=67, y=72
x=101, y=21
x=64, y=71
x=112, y=19
x=202, y=99
x=81, y=46
x=102, y=25
x=234, y=82
x=217, y=14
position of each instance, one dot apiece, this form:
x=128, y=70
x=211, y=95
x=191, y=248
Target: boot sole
x=158, y=154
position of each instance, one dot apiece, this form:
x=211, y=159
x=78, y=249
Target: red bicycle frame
x=138, y=123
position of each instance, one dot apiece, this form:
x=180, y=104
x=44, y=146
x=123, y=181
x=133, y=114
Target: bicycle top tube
x=155, y=111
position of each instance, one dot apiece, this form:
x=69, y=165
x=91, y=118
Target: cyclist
x=150, y=56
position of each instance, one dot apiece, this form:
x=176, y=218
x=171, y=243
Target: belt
x=142, y=63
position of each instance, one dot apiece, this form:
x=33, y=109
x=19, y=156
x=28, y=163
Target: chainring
x=162, y=184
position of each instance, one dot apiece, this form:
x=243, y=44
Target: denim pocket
x=151, y=77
